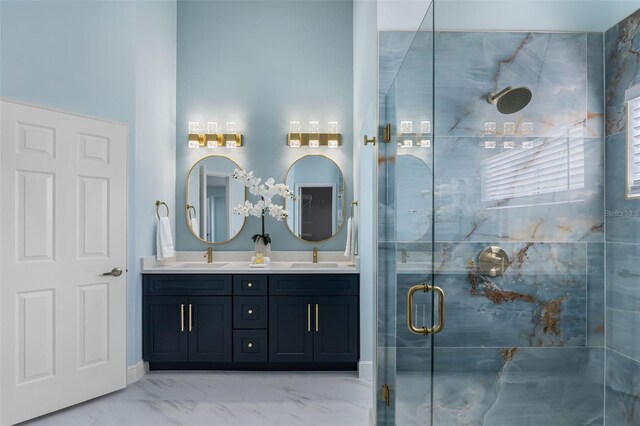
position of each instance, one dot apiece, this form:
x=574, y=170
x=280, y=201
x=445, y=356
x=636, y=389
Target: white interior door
x=62, y=225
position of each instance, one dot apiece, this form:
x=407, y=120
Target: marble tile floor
x=226, y=399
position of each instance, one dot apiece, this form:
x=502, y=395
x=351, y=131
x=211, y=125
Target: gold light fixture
x=313, y=138
x=212, y=139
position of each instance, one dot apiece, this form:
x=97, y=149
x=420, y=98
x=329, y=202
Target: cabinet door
x=336, y=337
x=210, y=328
x=165, y=328
x=291, y=329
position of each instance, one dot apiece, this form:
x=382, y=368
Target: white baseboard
x=365, y=369
x=137, y=371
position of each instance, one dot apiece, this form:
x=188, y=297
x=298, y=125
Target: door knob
x=115, y=272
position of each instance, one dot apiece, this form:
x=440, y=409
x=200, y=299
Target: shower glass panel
x=492, y=189
x=405, y=217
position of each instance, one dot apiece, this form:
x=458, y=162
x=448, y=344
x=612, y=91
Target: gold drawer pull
x=250, y=285
x=250, y=345
x=250, y=311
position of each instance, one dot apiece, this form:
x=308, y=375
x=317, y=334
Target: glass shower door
x=405, y=217
x=518, y=225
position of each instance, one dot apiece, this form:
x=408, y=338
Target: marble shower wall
x=622, y=43
x=525, y=340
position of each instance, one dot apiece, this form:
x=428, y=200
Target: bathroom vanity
x=236, y=318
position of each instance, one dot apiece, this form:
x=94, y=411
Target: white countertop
x=238, y=263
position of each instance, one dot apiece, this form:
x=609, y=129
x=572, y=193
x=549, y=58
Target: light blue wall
x=365, y=42
x=263, y=64
x=155, y=143
x=115, y=61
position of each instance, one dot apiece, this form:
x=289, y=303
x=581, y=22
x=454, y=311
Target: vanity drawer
x=250, y=312
x=313, y=285
x=187, y=285
x=250, y=346
x=250, y=285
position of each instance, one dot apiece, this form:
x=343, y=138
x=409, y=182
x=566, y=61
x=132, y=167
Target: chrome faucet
x=404, y=255
x=315, y=255
x=209, y=255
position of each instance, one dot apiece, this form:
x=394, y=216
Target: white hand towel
x=348, y=251
x=195, y=226
x=164, y=239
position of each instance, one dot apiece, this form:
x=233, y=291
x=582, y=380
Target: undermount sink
x=314, y=265
x=199, y=265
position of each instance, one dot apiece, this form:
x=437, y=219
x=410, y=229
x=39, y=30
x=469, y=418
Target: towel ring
x=161, y=203
x=189, y=209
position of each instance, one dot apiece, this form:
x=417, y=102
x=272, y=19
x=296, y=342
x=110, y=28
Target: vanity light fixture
x=333, y=134
x=314, y=132
x=313, y=138
x=232, y=138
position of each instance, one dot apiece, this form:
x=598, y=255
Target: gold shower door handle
x=425, y=330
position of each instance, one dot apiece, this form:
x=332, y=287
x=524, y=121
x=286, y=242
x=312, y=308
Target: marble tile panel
x=392, y=49
x=552, y=65
x=622, y=391
x=541, y=300
x=506, y=387
x=461, y=213
x=623, y=298
x=621, y=69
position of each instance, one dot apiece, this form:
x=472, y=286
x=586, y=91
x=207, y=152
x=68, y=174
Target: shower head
x=511, y=100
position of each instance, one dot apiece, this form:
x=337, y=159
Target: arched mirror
x=317, y=211
x=413, y=198
x=212, y=193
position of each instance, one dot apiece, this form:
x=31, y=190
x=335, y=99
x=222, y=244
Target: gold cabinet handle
x=190, y=318
x=425, y=330
x=309, y=317
x=182, y=317
x=317, y=312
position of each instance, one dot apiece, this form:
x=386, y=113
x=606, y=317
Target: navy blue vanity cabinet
x=314, y=318
x=187, y=318
x=251, y=321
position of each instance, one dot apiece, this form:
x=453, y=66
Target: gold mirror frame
x=186, y=218
x=341, y=189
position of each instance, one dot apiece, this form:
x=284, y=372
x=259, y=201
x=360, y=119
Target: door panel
x=210, y=329
x=63, y=224
x=336, y=334
x=291, y=326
